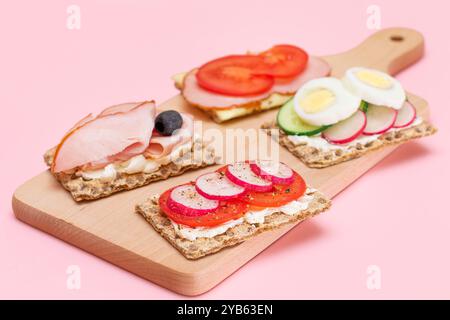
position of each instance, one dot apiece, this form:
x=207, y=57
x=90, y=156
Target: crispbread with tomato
x=239, y=85
x=331, y=120
x=230, y=205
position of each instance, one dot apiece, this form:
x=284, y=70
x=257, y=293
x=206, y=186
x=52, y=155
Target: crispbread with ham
x=222, y=107
x=120, y=150
x=82, y=189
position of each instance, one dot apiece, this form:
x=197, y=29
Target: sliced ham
x=123, y=131
x=82, y=122
x=119, y=108
x=161, y=146
x=200, y=97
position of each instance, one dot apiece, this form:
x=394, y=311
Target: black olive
x=168, y=121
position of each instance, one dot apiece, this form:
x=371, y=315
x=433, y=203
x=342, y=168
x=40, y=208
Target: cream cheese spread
x=134, y=165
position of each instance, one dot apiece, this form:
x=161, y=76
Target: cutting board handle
x=390, y=50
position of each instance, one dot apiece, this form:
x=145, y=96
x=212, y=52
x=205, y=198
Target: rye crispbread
x=316, y=158
x=82, y=189
x=201, y=247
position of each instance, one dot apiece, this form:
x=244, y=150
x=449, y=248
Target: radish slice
x=241, y=174
x=405, y=116
x=217, y=186
x=346, y=130
x=379, y=119
x=277, y=172
x=187, y=201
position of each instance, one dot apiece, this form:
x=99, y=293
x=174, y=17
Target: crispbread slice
x=204, y=246
x=274, y=100
x=82, y=189
x=316, y=158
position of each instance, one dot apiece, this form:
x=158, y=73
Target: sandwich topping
x=330, y=113
x=136, y=164
x=240, y=80
x=247, y=75
x=243, y=192
x=126, y=138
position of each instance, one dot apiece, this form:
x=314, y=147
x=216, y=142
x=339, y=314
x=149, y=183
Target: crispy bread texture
x=316, y=158
x=82, y=189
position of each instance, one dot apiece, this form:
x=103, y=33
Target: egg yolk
x=317, y=100
x=374, y=79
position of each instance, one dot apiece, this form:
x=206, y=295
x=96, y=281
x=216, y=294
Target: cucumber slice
x=364, y=106
x=291, y=124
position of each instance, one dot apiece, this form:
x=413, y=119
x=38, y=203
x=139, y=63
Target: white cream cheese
x=201, y=232
x=252, y=217
x=322, y=144
x=290, y=209
x=134, y=165
x=107, y=173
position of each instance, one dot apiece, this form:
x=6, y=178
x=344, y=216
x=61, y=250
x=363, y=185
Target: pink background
x=394, y=217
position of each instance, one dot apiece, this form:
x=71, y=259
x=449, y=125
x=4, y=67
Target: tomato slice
x=222, y=169
x=228, y=210
x=282, y=61
x=233, y=75
x=279, y=196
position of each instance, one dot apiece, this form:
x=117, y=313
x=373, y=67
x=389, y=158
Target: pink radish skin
x=346, y=130
x=187, y=201
x=216, y=186
x=241, y=174
x=406, y=115
x=379, y=119
x=278, y=173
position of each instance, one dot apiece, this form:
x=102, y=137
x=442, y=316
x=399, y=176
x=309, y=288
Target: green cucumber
x=291, y=124
x=364, y=106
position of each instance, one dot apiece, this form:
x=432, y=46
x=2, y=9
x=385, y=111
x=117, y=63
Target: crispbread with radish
x=316, y=158
x=197, y=221
x=200, y=247
x=365, y=110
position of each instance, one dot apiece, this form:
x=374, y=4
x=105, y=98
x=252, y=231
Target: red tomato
x=222, y=169
x=233, y=76
x=282, y=61
x=228, y=210
x=279, y=196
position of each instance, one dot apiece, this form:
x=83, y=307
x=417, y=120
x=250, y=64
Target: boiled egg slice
x=325, y=101
x=375, y=87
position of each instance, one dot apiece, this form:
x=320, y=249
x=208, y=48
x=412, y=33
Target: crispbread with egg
x=82, y=189
x=201, y=247
x=317, y=158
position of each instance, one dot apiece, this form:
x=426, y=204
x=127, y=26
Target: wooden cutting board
x=110, y=229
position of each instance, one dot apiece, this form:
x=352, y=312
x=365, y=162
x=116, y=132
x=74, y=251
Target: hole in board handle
x=397, y=38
